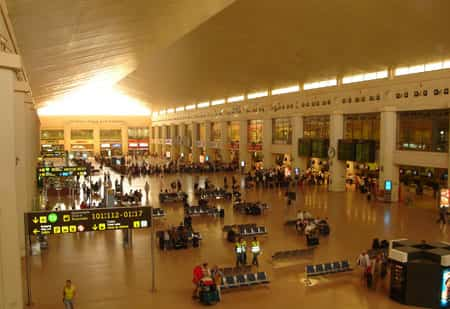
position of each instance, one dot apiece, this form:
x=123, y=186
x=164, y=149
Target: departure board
x=62, y=171
x=365, y=151
x=304, y=147
x=319, y=148
x=88, y=220
x=346, y=150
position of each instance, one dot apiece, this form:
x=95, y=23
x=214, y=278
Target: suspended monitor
x=346, y=150
x=304, y=147
x=365, y=151
x=319, y=148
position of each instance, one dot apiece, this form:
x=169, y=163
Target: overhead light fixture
x=256, y=95
x=190, y=107
x=429, y=67
x=238, y=98
x=170, y=111
x=203, y=105
x=290, y=89
x=365, y=77
x=320, y=84
x=179, y=109
x=218, y=102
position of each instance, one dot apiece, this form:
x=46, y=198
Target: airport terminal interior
x=254, y=153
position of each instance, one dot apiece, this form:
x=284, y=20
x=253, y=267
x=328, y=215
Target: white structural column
x=225, y=141
x=208, y=150
x=96, y=141
x=22, y=191
x=297, y=132
x=158, y=140
x=67, y=137
x=151, y=134
x=267, y=143
x=388, y=169
x=337, y=168
x=124, y=138
x=243, y=143
x=195, y=138
x=183, y=139
x=175, y=142
x=164, y=137
x=10, y=265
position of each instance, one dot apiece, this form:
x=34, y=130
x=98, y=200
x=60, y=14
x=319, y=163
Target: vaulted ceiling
x=176, y=52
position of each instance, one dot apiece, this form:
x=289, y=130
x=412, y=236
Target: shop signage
x=255, y=147
x=234, y=145
x=62, y=171
x=213, y=144
x=168, y=141
x=200, y=144
x=88, y=220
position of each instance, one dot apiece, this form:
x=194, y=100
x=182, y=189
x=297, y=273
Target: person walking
x=69, y=292
x=256, y=249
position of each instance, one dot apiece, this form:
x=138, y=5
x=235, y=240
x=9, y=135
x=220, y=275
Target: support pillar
x=195, y=139
x=337, y=168
x=124, y=139
x=388, y=135
x=243, y=144
x=175, y=142
x=158, y=141
x=67, y=138
x=208, y=150
x=96, y=141
x=183, y=140
x=267, y=143
x=11, y=287
x=297, y=133
x=164, y=137
x=225, y=141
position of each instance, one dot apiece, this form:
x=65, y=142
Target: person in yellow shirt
x=256, y=249
x=69, y=292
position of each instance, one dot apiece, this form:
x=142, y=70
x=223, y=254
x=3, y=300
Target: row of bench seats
x=246, y=229
x=327, y=268
x=229, y=271
x=202, y=210
x=158, y=212
x=242, y=280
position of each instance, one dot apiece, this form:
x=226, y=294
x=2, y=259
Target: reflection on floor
x=108, y=276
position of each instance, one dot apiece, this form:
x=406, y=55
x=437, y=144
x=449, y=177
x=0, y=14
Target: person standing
x=238, y=251
x=256, y=249
x=244, y=252
x=69, y=292
x=147, y=190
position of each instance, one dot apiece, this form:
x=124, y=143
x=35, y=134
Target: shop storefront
x=315, y=142
x=52, y=143
x=82, y=143
x=255, y=137
x=282, y=131
x=111, y=142
x=234, y=137
x=138, y=141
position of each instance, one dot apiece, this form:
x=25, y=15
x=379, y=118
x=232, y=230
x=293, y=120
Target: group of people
x=178, y=237
x=203, y=277
x=240, y=248
x=373, y=263
x=309, y=225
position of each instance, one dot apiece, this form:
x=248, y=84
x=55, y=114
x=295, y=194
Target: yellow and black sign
x=62, y=171
x=86, y=220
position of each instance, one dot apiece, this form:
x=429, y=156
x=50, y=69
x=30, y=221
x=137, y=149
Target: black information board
x=304, y=147
x=365, y=151
x=88, y=220
x=346, y=150
x=319, y=148
x=62, y=171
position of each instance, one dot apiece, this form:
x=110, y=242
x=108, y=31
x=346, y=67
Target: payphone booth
x=387, y=191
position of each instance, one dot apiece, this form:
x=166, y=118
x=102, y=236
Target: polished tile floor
x=109, y=276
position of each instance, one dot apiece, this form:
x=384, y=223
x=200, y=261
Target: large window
x=281, y=131
x=255, y=131
x=115, y=135
x=52, y=134
x=234, y=131
x=215, y=132
x=316, y=127
x=362, y=126
x=81, y=134
x=139, y=133
x=423, y=130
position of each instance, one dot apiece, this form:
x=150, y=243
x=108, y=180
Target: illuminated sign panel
x=88, y=220
x=62, y=171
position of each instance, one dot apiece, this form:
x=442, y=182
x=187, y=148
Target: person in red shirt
x=197, y=276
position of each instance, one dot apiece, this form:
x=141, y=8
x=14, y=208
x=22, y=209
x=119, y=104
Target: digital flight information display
x=88, y=220
x=62, y=171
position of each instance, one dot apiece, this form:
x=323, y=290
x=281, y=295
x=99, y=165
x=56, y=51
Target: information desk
x=87, y=220
x=62, y=171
